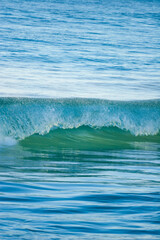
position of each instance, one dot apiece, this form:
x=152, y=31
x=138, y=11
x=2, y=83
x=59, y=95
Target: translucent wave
x=23, y=117
x=86, y=138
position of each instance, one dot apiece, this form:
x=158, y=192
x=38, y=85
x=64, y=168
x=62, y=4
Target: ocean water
x=79, y=120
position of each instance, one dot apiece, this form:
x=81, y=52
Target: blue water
x=79, y=120
x=103, y=49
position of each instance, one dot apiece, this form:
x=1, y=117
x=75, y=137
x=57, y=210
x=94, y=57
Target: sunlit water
x=79, y=167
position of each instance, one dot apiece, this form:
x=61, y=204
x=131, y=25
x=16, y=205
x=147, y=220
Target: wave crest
x=22, y=117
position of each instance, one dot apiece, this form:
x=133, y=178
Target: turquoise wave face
x=78, y=121
x=86, y=138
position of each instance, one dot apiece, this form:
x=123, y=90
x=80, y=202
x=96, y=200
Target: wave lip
x=23, y=117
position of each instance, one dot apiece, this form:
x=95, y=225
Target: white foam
x=7, y=141
x=21, y=118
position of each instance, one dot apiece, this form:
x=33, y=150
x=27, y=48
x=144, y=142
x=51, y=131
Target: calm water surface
x=80, y=194
x=104, y=49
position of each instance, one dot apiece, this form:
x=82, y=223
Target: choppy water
x=79, y=120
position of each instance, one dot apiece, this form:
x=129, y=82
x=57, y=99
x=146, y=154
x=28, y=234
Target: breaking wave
x=77, y=120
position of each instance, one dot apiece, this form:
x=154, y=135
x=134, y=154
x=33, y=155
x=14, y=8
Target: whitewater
x=23, y=117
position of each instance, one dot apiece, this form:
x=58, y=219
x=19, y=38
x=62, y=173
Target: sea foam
x=20, y=118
